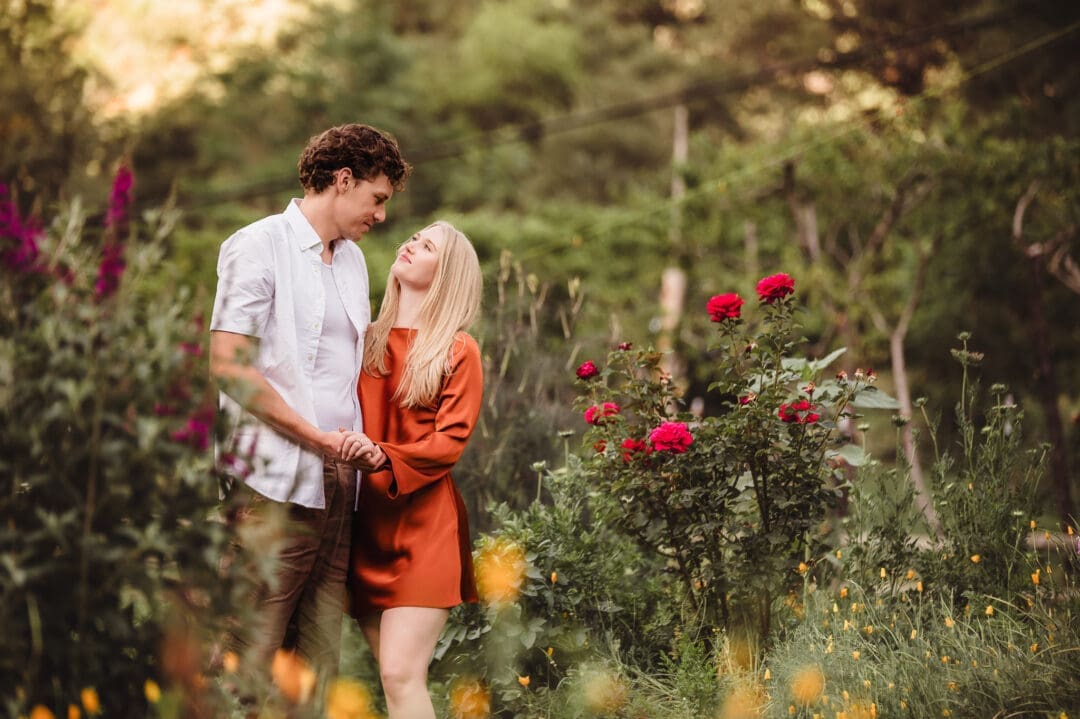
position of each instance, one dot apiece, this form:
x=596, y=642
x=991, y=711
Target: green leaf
x=853, y=454
x=873, y=398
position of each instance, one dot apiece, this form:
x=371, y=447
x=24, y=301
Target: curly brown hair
x=363, y=149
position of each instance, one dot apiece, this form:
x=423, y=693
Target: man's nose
x=380, y=214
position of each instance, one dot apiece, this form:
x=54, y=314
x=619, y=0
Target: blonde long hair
x=451, y=305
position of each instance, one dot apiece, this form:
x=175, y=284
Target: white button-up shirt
x=270, y=286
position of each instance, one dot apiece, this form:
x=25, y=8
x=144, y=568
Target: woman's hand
x=359, y=451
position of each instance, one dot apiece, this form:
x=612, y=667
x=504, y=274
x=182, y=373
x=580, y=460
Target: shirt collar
x=305, y=235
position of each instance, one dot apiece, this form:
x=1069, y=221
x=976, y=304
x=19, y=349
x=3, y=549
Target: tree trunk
x=1045, y=376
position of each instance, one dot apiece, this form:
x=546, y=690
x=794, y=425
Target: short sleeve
x=245, y=289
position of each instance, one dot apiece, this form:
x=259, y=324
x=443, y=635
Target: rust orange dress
x=410, y=542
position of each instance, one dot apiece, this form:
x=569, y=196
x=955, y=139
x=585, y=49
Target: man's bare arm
x=230, y=365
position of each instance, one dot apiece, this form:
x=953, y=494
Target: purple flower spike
x=120, y=200
x=18, y=237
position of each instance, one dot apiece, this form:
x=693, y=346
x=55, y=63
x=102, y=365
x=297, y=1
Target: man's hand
x=359, y=451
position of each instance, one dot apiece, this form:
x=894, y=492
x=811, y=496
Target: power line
x=531, y=131
x=715, y=184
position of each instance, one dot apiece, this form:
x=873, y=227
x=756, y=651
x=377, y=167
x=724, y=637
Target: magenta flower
x=587, y=370
x=120, y=201
x=671, y=437
x=109, y=271
x=18, y=237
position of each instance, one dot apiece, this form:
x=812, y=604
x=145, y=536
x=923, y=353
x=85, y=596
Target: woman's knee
x=397, y=676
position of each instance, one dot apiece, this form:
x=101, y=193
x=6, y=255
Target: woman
x=420, y=393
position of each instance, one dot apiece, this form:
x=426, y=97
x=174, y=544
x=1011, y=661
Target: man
x=286, y=343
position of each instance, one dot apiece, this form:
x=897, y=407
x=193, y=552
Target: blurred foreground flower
x=500, y=571
x=744, y=702
x=348, y=699
x=807, y=684
x=90, y=701
x=293, y=677
x=469, y=699
x=603, y=693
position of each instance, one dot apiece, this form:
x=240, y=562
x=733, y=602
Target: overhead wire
x=531, y=131
x=721, y=183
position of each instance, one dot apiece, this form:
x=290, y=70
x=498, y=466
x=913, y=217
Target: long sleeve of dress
x=414, y=465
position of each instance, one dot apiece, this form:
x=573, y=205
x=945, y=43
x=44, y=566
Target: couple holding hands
x=352, y=425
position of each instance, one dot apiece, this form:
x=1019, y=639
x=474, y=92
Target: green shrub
x=110, y=544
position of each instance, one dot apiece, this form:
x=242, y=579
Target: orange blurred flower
x=469, y=699
x=807, y=684
x=41, y=712
x=348, y=699
x=500, y=571
x=152, y=691
x=293, y=677
x=73, y=712
x=90, y=701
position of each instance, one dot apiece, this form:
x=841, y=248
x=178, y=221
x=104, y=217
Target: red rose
x=599, y=447
x=801, y=412
x=671, y=437
x=595, y=415
x=775, y=287
x=624, y=346
x=747, y=398
x=725, y=307
x=587, y=370
x=635, y=447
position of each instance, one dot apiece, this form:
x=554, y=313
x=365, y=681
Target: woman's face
x=418, y=259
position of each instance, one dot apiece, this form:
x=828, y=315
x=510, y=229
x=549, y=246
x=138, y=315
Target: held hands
x=361, y=452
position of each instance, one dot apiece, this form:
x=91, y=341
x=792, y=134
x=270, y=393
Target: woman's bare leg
x=405, y=638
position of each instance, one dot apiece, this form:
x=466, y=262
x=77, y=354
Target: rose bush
x=734, y=502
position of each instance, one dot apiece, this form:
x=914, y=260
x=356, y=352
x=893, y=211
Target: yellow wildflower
x=1069, y=530
x=1034, y=647
x=976, y=559
x=152, y=691
x=1035, y=577
x=41, y=712
x=855, y=655
x=73, y=712
x=554, y=577
x=524, y=681
x=882, y=573
x=946, y=713
x=767, y=676
x=803, y=568
x=1032, y=524
x=918, y=586
x=90, y=701
x=989, y=610
x=910, y=574
x=949, y=622
x=550, y=651
x=791, y=710
x=843, y=592
x=914, y=633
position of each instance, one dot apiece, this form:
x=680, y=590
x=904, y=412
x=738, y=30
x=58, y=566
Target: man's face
x=361, y=204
